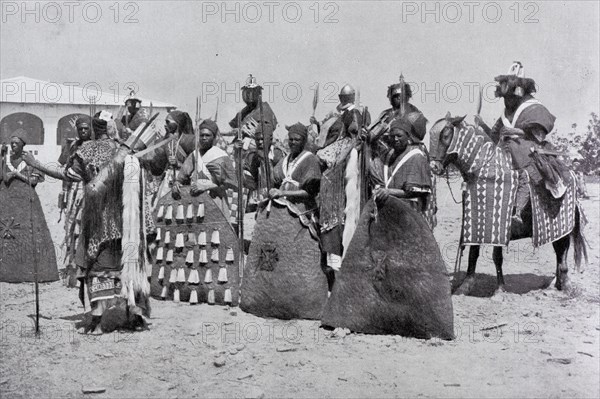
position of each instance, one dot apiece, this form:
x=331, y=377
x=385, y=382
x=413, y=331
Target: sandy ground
x=531, y=342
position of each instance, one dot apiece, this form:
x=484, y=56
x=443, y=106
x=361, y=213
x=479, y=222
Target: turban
x=82, y=119
x=183, y=120
x=210, y=125
x=99, y=125
x=402, y=124
x=19, y=134
x=299, y=129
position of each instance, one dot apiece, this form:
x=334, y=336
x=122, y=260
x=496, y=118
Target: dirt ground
x=531, y=342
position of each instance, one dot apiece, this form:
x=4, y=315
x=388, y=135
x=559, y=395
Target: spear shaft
x=35, y=257
x=266, y=144
x=240, y=199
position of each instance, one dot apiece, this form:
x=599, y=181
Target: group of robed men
x=325, y=183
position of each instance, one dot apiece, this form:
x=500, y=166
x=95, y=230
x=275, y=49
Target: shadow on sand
x=76, y=317
x=485, y=284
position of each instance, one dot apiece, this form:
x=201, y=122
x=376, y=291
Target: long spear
x=92, y=112
x=217, y=111
x=402, y=96
x=315, y=100
x=266, y=143
x=197, y=138
x=240, y=199
x=479, y=105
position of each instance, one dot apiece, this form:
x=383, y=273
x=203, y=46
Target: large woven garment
x=393, y=278
x=202, y=266
x=283, y=276
x=19, y=251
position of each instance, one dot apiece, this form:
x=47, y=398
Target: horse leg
x=498, y=260
x=467, y=284
x=561, y=248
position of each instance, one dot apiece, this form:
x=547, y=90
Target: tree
x=590, y=147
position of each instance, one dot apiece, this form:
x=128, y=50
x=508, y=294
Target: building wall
x=50, y=115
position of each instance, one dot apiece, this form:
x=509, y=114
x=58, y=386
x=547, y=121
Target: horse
x=488, y=200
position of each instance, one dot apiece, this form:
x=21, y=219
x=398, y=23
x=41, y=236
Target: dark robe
x=415, y=117
x=413, y=176
x=283, y=277
x=270, y=120
x=25, y=240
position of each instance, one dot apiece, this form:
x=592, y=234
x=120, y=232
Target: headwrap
x=99, y=125
x=210, y=125
x=82, y=119
x=402, y=124
x=20, y=134
x=183, y=120
x=418, y=124
x=299, y=129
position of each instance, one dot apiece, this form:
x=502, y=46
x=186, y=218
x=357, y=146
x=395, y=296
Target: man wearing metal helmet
x=523, y=126
x=340, y=194
x=399, y=95
x=250, y=115
x=249, y=121
x=351, y=115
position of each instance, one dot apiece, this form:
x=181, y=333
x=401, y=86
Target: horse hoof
x=564, y=285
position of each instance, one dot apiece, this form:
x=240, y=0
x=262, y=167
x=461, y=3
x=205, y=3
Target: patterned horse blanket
x=491, y=188
x=491, y=192
x=552, y=218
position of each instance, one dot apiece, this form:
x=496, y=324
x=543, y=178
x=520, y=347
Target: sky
x=175, y=51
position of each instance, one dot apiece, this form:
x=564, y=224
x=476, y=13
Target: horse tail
x=580, y=244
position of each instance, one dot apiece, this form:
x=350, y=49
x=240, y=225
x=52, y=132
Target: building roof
x=26, y=90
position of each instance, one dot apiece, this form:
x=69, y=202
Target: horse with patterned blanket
x=488, y=200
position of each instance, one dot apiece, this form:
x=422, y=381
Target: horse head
x=440, y=138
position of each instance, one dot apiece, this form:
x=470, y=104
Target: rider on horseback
x=399, y=95
x=522, y=131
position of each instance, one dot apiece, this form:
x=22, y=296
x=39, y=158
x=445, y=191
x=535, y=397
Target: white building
x=46, y=112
